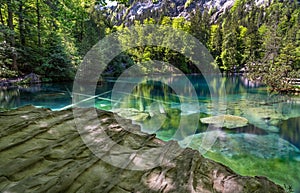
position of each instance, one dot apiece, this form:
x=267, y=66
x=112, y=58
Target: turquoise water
x=268, y=145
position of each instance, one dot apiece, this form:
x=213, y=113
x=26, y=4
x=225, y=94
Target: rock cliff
x=140, y=10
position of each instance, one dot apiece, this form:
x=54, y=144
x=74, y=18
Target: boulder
x=49, y=151
x=32, y=78
x=227, y=121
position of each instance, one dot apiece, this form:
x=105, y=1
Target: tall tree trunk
x=10, y=24
x=10, y=21
x=21, y=23
x=38, y=22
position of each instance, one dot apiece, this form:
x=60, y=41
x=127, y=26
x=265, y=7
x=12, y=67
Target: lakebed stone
x=227, y=121
x=261, y=110
x=132, y=113
x=42, y=151
x=266, y=112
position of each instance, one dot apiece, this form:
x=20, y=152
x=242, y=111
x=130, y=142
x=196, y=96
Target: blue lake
x=268, y=144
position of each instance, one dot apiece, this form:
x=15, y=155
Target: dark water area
x=290, y=130
x=53, y=96
x=250, y=129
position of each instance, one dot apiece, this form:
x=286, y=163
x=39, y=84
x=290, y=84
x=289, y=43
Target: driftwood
x=42, y=151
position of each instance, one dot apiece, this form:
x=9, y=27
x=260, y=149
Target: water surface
x=268, y=145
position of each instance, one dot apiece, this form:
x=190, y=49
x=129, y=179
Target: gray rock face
x=140, y=10
x=42, y=151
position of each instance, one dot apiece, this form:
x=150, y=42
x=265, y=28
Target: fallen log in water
x=42, y=151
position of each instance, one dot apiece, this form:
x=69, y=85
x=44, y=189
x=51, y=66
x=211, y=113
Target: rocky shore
x=41, y=151
x=31, y=78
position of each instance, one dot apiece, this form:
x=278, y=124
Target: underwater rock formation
x=227, y=121
x=261, y=146
x=42, y=151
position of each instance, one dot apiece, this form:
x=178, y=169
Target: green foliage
x=57, y=65
x=180, y=23
x=215, y=43
x=142, y=55
x=232, y=48
x=50, y=38
x=265, y=41
x=279, y=59
x=265, y=36
x=288, y=188
x=188, y=3
x=5, y=61
x=200, y=26
x=166, y=21
x=118, y=65
x=236, y=5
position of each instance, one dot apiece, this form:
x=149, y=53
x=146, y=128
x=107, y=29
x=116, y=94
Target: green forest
x=50, y=38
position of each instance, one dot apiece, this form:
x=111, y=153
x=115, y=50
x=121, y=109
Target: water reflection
x=249, y=83
x=41, y=95
x=9, y=98
x=159, y=109
x=290, y=130
x=263, y=111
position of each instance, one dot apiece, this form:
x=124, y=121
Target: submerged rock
x=263, y=117
x=227, y=121
x=131, y=113
x=262, y=146
x=42, y=151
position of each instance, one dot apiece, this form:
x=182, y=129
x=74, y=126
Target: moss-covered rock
x=132, y=113
x=42, y=151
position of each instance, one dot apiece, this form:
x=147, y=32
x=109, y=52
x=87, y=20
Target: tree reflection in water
x=41, y=95
x=290, y=130
x=9, y=97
